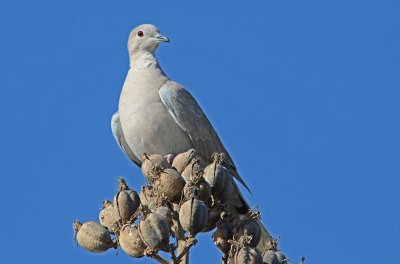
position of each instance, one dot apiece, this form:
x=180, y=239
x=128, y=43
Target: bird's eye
x=140, y=34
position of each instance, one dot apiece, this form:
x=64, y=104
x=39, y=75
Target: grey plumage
x=190, y=117
x=120, y=139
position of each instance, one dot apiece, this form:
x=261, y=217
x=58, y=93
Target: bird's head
x=145, y=37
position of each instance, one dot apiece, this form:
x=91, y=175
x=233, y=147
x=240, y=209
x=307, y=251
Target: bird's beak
x=160, y=38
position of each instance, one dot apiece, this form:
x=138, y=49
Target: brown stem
x=159, y=259
x=188, y=244
x=180, y=240
x=173, y=256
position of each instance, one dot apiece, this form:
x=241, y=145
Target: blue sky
x=304, y=94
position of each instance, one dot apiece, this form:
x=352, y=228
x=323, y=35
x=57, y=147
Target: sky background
x=304, y=94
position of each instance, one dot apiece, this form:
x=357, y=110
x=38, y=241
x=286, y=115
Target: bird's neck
x=143, y=60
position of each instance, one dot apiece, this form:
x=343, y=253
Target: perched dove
x=157, y=115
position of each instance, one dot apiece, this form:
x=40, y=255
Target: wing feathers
x=190, y=117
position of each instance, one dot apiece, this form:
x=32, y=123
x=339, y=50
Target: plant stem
x=159, y=259
x=188, y=244
x=180, y=240
x=173, y=256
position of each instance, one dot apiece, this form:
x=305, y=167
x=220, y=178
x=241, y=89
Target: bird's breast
x=146, y=123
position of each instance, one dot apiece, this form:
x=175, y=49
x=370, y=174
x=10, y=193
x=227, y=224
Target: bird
x=159, y=116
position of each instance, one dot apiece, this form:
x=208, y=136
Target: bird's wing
x=120, y=139
x=190, y=117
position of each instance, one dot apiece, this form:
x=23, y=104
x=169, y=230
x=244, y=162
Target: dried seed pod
x=248, y=255
x=248, y=226
x=281, y=257
x=92, y=236
x=108, y=216
x=217, y=176
x=192, y=170
x=182, y=160
x=221, y=236
x=149, y=196
x=269, y=257
x=214, y=215
x=126, y=202
x=251, y=228
x=154, y=231
x=204, y=190
x=165, y=213
x=170, y=184
x=199, y=184
x=152, y=165
x=130, y=241
x=193, y=216
x=193, y=175
x=273, y=255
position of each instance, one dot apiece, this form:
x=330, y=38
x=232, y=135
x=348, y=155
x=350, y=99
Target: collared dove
x=157, y=115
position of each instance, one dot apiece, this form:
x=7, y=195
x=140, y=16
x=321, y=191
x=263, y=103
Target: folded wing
x=190, y=117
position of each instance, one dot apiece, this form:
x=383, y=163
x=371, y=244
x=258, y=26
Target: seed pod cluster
x=184, y=195
x=116, y=219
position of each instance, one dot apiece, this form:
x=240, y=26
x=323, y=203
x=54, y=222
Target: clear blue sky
x=305, y=95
